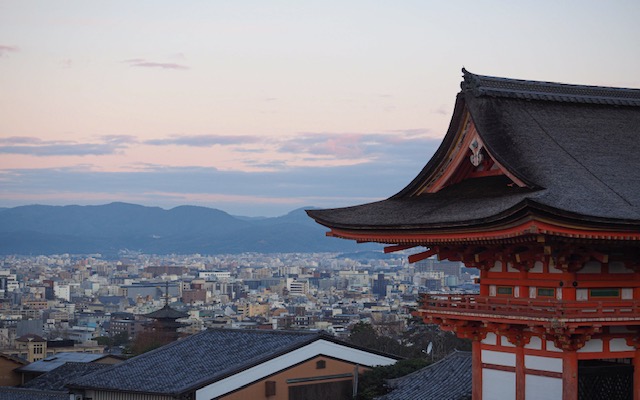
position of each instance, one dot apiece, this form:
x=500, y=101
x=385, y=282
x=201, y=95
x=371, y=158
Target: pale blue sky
x=260, y=107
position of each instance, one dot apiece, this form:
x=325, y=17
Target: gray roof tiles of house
x=195, y=361
x=7, y=393
x=56, y=379
x=578, y=160
x=447, y=379
x=52, y=362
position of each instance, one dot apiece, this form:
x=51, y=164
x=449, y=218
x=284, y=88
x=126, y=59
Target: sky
x=258, y=108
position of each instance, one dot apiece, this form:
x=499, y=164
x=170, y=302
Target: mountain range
x=107, y=229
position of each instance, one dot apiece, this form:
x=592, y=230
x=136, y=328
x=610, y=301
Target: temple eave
x=526, y=230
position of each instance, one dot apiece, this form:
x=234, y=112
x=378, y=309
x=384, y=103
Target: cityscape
x=83, y=298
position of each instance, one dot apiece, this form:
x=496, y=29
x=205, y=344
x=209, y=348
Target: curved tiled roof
x=447, y=379
x=575, y=152
x=561, y=92
x=198, y=360
x=166, y=312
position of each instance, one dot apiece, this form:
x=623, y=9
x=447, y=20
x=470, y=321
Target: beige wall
x=256, y=391
x=7, y=376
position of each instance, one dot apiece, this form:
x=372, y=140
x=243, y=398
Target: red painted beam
x=421, y=256
x=398, y=247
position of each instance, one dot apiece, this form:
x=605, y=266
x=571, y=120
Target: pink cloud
x=7, y=49
x=140, y=62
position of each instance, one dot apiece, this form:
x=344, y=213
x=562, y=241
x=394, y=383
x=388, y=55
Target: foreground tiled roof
x=57, y=379
x=52, y=362
x=30, y=394
x=447, y=379
x=195, y=360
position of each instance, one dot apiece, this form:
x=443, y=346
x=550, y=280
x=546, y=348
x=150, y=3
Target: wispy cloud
x=33, y=146
x=119, y=139
x=353, y=145
x=204, y=140
x=4, y=50
x=141, y=62
x=20, y=140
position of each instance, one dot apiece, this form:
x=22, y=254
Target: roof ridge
x=483, y=85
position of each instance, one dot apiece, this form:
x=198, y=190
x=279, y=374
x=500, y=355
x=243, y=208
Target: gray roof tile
x=195, y=361
x=447, y=379
x=57, y=379
x=30, y=394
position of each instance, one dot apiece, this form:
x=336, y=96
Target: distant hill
x=110, y=228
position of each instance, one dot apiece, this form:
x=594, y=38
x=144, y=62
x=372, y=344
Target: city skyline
x=260, y=108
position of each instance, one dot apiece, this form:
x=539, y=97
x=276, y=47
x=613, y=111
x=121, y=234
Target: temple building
x=537, y=185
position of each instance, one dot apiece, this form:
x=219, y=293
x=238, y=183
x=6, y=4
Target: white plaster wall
x=532, y=292
x=497, y=267
x=504, y=341
x=627, y=293
x=537, y=267
x=510, y=268
x=498, y=358
x=553, y=269
x=582, y=294
x=593, y=345
x=591, y=267
x=543, y=363
x=618, y=267
x=535, y=343
x=552, y=347
x=619, y=344
x=498, y=385
x=490, y=339
x=542, y=388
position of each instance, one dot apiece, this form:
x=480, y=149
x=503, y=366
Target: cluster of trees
x=420, y=345
x=144, y=341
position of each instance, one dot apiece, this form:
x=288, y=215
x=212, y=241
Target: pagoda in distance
x=165, y=325
x=537, y=185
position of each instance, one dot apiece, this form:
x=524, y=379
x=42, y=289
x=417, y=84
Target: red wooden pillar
x=484, y=288
x=636, y=375
x=570, y=375
x=476, y=370
x=520, y=373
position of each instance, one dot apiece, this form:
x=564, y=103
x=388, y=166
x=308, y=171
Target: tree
x=373, y=382
x=363, y=334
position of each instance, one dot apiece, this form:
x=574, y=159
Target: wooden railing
x=531, y=308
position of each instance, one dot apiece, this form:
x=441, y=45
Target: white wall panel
x=591, y=267
x=593, y=345
x=498, y=385
x=537, y=267
x=490, y=339
x=618, y=267
x=543, y=363
x=542, y=388
x=552, y=347
x=498, y=358
x=619, y=344
x=535, y=343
